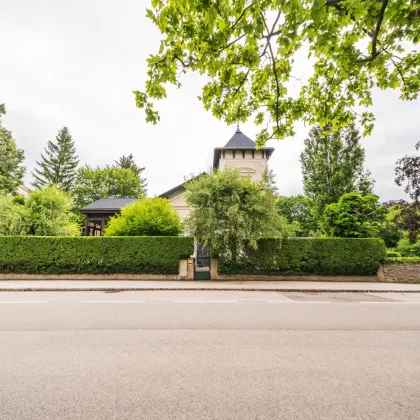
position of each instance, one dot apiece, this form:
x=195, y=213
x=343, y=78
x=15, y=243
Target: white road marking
x=23, y=302
x=205, y=301
x=112, y=301
x=387, y=303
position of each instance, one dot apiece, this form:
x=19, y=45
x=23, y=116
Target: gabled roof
x=166, y=194
x=107, y=205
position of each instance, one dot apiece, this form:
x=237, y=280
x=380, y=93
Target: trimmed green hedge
x=331, y=256
x=93, y=255
x=390, y=260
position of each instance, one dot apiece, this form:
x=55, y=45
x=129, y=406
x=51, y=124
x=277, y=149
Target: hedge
x=93, y=255
x=391, y=260
x=331, y=256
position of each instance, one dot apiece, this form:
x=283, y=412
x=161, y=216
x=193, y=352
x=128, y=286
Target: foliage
x=58, y=165
x=49, y=213
x=407, y=217
x=402, y=260
x=91, y=184
x=298, y=256
x=93, y=255
x=333, y=165
x=13, y=216
x=407, y=249
x=230, y=211
x=408, y=171
x=392, y=253
x=127, y=162
x=354, y=216
x=12, y=170
x=297, y=209
x=390, y=233
x=148, y=217
x=251, y=53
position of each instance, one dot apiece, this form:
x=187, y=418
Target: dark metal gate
x=202, y=263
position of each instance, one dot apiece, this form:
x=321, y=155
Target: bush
x=354, y=216
x=390, y=253
x=49, y=213
x=13, y=217
x=407, y=249
x=403, y=260
x=93, y=255
x=148, y=217
x=330, y=256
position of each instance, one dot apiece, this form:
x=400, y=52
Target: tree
x=127, y=162
x=354, y=216
x=408, y=218
x=408, y=170
x=148, y=217
x=231, y=211
x=58, y=165
x=13, y=217
x=49, y=213
x=248, y=51
x=297, y=209
x=333, y=165
x=12, y=170
x=91, y=184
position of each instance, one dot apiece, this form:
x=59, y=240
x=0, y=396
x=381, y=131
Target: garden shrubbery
x=300, y=256
x=93, y=255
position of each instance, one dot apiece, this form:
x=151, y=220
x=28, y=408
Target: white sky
x=75, y=64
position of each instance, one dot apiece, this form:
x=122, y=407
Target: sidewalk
x=141, y=285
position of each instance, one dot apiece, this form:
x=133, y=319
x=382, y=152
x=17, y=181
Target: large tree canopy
x=354, y=216
x=231, y=211
x=333, y=165
x=247, y=48
x=91, y=184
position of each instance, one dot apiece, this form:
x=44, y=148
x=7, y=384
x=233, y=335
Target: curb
x=151, y=289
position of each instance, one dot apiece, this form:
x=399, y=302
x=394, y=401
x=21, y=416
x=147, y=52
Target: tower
x=241, y=152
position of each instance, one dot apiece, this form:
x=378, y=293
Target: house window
x=233, y=154
x=94, y=228
x=253, y=154
x=243, y=154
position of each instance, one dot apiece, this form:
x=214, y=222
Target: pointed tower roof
x=239, y=141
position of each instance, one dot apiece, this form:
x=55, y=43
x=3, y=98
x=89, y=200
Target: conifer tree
x=58, y=165
x=127, y=162
x=12, y=169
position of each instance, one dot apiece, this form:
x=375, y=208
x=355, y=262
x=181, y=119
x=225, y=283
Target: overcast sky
x=75, y=64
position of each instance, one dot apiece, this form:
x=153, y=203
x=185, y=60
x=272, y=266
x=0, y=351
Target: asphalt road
x=209, y=355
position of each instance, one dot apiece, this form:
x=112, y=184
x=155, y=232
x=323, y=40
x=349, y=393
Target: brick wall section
x=402, y=272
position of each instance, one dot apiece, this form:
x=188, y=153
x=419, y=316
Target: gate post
x=213, y=269
x=190, y=269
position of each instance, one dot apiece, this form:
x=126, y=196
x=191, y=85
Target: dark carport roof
x=107, y=205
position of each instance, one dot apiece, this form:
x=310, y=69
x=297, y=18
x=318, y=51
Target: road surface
x=209, y=355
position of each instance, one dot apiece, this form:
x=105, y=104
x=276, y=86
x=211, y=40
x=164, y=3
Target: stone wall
x=401, y=272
